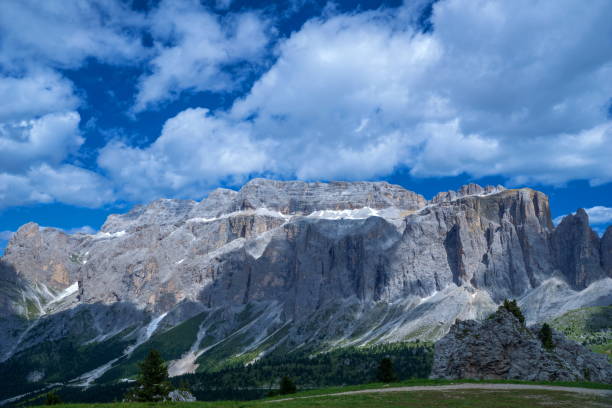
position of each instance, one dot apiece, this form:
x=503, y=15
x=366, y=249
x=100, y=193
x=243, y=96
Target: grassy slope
x=452, y=398
x=171, y=344
x=591, y=326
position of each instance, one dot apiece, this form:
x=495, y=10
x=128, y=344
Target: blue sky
x=105, y=103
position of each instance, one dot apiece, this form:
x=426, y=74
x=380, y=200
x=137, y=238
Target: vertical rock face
x=606, y=251
x=577, y=251
x=333, y=263
x=43, y=255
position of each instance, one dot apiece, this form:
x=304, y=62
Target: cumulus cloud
x=497, y=88
x=48, y=139
x=517, y=89
x=521, y=93
x=37, y=137
x=64, y=33
x=196, y=151
x=45, y=184
x=194, y=46
x=34, y=94
x=600, y=215
x=39, y=124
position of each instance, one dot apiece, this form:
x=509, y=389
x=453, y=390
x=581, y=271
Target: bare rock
x=576, y=250
x=500, y=347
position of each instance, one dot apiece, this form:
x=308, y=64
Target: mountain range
x=282, y=266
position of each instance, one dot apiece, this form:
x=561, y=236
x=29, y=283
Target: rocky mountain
x=282, y=266
x=501, y=347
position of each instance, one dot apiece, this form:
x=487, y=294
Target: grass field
x=416, y=399
x=413, y=399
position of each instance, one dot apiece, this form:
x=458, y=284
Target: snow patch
x=259, y=211
x=356, y=214
x=153, y=326
x=106, y=235
x=70, y=290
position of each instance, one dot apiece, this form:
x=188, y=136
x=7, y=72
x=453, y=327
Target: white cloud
x=193, y=48
x=505, y=97
x=195, y=152
x=600, y=215
x=39, y=125
x=64, y=183
x=65, y=33
x=39, y=131
x=34, y=94
x=46, y=140
x=518, y=89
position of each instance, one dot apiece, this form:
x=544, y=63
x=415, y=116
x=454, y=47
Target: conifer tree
x=52, y=398
x=153, y=384
x=287, y=386
x=546, y=337
x=513, y=307
x=385, y=371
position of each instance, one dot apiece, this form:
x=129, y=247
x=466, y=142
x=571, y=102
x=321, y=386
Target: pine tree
x=287, y=386
x=513, y=307
x=153, y=384
x=52, y=398
x=385, y=371
x=546, y=337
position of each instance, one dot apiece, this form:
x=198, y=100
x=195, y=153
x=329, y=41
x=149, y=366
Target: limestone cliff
x=281, y=265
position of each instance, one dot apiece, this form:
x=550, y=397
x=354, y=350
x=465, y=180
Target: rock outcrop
x=501, y=347
x=606, y=251
x=577, y=251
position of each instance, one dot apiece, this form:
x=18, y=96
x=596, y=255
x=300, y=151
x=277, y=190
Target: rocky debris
x=500, y=347
x=181, y=396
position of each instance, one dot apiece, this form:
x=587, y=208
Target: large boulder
x=501, y=347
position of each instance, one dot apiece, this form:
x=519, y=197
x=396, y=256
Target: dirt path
x=466, y=386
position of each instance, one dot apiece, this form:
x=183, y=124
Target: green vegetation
x=56, y=361
x=385, y=372
x=345, y=366
x=171, y=345
x=152, y=384
x=52, y=398
x=287, y=386
x=591, y=326
x=545, y=335
x=513, y=307
x=94, y=395
x=412, y=399
x=429, y=382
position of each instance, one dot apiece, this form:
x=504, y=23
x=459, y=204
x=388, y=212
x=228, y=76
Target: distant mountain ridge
x=280, y=266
